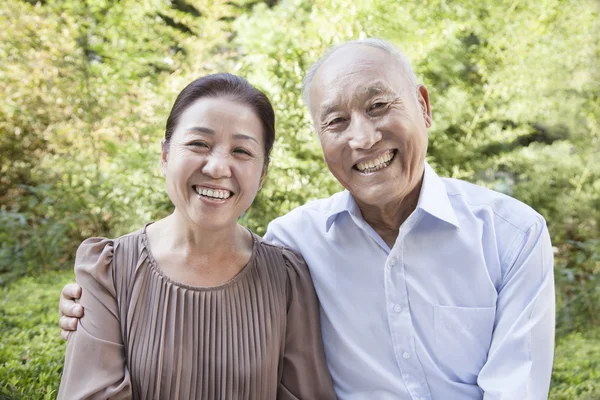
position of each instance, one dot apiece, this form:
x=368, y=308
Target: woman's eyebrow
x=244, y=137
x=201, y=129
x=210, y=132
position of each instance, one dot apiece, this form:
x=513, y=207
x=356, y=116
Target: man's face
x=372, y=124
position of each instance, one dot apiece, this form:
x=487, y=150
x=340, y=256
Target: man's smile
x=377, y=163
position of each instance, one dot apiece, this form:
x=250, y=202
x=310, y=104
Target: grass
x=576, y=373
x=31, y=351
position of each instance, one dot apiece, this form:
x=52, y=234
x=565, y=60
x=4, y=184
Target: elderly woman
x=195, y=306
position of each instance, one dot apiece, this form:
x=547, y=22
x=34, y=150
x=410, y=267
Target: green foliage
x=31, y=350
x=576, y=373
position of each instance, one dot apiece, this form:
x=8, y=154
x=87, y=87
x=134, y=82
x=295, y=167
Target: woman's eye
x=242, y=151
x=199, y=144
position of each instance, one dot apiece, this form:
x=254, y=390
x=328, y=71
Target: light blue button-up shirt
x=461, y=307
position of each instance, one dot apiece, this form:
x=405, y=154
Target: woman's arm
x=304, y=373
x=95, y=366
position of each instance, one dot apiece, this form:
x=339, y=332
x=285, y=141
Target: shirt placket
x=401, y=326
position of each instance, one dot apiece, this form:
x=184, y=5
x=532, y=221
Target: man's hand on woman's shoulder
x=68, y=309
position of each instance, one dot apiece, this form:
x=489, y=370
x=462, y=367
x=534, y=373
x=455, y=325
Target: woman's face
x=215, y=162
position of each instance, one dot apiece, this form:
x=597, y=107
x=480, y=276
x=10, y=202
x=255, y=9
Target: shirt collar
x=343, y=202
x=433, y=200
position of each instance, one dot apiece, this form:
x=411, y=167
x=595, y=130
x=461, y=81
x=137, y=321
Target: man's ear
x=164, y=156
x=423, y=99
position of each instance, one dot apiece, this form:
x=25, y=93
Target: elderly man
x=430, y=288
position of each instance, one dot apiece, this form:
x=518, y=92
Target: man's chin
x=373, y=197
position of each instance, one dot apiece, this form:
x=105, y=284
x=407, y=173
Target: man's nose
x=363, y=134
x=217, y=166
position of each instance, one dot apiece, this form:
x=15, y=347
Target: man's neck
x=386, y=219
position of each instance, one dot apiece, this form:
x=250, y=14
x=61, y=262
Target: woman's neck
x=197, y=255
x=185, y=237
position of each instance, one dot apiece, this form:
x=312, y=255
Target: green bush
x=31, y=350
x=576, y=373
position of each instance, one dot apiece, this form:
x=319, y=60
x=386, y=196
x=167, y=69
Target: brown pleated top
x=144, y=336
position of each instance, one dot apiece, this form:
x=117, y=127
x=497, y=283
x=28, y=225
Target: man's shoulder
x=504, y=207
x=316, y=209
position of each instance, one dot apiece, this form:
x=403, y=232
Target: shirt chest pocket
x=462, y=340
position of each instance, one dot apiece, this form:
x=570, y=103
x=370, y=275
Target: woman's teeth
x=376, y=164
x=213, y=193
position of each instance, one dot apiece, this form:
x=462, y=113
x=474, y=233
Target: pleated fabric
x=255, y=337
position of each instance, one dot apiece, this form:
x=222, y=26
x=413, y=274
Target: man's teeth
x=213, y=193
x=374, y=165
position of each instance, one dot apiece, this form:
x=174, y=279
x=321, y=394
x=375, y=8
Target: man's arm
x=519, y=364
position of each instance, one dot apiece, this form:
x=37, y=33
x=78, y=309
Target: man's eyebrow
x=328, y=109
x=375, y=89
x=367, y=91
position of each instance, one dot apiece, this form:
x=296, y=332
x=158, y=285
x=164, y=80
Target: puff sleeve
x=95, y=365
x=304, y=370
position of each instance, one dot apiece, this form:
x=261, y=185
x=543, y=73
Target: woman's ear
x=263, y=174
x=164, y=156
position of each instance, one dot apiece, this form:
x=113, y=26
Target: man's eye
x=377, y=106
x=336, y=121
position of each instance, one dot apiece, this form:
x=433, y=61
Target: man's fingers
x=71, y=291
x=69, y=308
x=67, y=324
x=67, y=305
x=65, y=334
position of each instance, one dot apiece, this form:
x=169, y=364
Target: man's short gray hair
x=372, y=42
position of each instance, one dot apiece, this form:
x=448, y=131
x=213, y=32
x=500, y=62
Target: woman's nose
x=217, y=166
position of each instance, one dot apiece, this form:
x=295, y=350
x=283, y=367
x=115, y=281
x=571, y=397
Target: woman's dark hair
x=230, y=86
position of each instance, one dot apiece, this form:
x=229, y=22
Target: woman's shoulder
x=95, y=256
x=284, y=256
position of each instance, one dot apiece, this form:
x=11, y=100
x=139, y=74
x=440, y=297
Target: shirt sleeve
x=304, y=372
x=519, y=364
x=279, y=231
x=95, y=366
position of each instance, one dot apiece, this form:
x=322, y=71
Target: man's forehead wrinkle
x=360, y=93
x=375, y=89
x=338, y=80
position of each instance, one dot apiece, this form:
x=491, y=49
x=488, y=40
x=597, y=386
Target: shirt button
x=406, y=355
x=392, y=261
x=397, y=308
